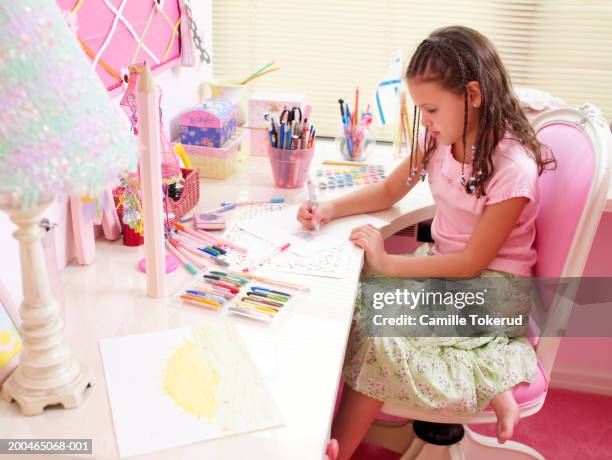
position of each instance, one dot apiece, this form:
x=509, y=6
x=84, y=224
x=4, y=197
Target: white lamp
x=59, y=134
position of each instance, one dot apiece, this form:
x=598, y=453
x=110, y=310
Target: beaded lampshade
x=59, y=132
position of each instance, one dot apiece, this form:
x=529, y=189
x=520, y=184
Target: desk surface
x=300, y=357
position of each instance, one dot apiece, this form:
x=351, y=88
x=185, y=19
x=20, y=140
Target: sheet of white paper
x=282, y=227
x=181, y=386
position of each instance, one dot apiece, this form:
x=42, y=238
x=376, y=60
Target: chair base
x=439, y=434
x=401, y=438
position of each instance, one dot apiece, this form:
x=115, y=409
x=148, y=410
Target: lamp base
x=48, y=373
x=32, y=399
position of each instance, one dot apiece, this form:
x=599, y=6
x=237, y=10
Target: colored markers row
x=260, y=303
x=216, y=290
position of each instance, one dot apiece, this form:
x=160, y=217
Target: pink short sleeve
x=515, y=175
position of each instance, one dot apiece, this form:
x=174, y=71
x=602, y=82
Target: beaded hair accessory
x=451, y=53
x=414, y=146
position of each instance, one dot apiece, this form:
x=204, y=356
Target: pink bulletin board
x=118, y=33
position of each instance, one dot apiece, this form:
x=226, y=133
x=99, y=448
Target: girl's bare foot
x=507, y=412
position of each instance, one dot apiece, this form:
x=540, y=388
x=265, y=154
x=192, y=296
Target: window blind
x=327, y=48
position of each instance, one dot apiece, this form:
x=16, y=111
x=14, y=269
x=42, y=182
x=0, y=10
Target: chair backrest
x=572, y=199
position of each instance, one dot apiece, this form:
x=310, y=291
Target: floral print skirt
x=451, y=374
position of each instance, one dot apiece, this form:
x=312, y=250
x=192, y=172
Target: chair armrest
x=408, y=219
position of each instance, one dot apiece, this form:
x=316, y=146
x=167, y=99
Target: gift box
x=259, y=140
x=209, y=124
x=272, y=103
x=219, y=163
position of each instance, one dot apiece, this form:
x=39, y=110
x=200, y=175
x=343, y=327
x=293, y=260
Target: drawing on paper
x=328, y=263
x=181, y=386
x=191, y=381
x=307, y=235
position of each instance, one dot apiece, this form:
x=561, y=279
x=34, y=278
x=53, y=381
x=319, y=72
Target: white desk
x=300, y=357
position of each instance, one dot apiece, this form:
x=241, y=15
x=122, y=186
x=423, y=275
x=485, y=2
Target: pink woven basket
x=187, y=201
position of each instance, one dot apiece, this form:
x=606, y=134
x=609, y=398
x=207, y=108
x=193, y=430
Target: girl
x=482, y=160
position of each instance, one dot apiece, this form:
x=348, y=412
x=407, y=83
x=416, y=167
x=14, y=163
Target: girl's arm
x=376, y=197
x=492, y=230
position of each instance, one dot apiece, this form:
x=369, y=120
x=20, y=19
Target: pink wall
x=593, y=353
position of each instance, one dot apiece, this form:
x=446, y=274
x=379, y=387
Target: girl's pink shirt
x=458, y=213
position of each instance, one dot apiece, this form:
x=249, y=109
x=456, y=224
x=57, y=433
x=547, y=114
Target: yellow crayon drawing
x=10, y=345
x=191, y=381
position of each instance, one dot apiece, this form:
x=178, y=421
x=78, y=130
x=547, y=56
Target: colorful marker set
x=242, y=295
x=349, y=177
x=354, y=129
x=290, y=131
x=214, y=290
x=261, y=303
x=192, y=246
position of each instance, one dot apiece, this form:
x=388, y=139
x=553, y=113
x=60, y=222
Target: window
x=326, y=48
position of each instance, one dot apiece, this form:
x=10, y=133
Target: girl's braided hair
x=456, y=55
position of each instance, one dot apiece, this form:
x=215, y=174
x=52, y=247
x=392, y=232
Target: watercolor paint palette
x=333, y=178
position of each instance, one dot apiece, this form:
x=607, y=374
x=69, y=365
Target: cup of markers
x=354, y=139
x=291, y=147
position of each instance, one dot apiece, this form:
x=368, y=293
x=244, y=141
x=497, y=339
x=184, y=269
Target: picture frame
x=10, y=338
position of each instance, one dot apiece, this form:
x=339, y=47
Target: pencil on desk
x=199, y=251
x=202, y=237
x=272, y=281
x=267, y=310
x=356, y=113
x=265, y=259
x=187, y=246
x=211, y=290
x=207, y=295
x=192, y=258
x=181, y=258
x=200, y=301
x=343, y=163
x=214, y=238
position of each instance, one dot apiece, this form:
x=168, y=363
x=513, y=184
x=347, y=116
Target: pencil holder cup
x=290, y=167
x=356, y=144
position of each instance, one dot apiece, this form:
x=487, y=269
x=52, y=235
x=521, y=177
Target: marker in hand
x=312, y=200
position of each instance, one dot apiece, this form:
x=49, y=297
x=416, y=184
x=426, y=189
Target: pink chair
x=572, y=201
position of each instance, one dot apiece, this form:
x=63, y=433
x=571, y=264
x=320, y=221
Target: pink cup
x=290, y=167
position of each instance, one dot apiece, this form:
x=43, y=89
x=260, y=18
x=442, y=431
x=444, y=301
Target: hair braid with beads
x=454, y=56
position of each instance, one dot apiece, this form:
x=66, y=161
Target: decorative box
x=218, y=163
x=272, y=103
x=209, y=124
x=259, y=140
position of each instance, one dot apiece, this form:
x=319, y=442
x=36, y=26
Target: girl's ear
x=474, y=94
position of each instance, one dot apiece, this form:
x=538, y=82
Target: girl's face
x=442, y=110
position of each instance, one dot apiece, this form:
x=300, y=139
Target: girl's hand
x=324, y=212
x=370, y=240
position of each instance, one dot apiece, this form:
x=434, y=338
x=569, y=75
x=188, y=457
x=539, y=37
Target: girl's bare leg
x=353, y=420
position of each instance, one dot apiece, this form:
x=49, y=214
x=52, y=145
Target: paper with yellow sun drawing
x=10, y=344
x=181, y=386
